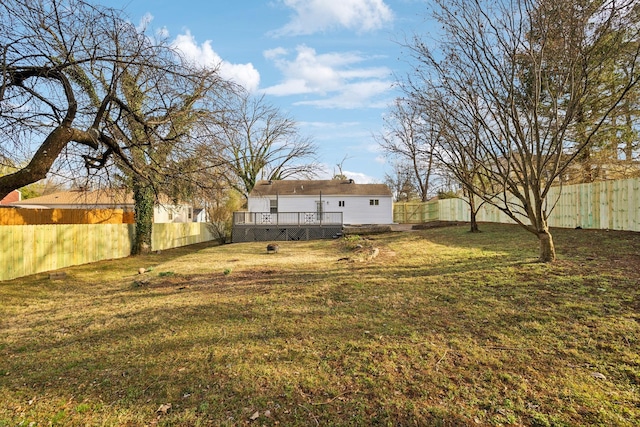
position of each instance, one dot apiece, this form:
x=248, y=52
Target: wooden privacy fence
x=415, y=212
x=30, y=249
x=24, y=216
x=603, y=205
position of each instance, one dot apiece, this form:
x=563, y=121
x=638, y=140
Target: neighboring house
x=163, y=212
x=358, y=203
x=200, y=215
x=14, y=196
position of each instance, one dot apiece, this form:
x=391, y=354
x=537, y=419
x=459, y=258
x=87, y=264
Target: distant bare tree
x=402, y=184
x=339, y=174
x=458, y=148
x=258, y=141
x=411, y=140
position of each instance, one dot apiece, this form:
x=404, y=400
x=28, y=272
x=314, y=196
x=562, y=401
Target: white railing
x=287, y=218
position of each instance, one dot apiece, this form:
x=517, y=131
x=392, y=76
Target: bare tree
x=156, y=118
x=43, y=104
x=259, y=142
x=522, y=69
x=411, y=139
x=401, y=183
x=339, y=174
x=93, y=90
x=458, y=149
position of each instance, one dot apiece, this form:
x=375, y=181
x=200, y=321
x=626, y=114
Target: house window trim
x=374, y=202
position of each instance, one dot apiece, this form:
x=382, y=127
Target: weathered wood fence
x=30, y=249
x=603, y=205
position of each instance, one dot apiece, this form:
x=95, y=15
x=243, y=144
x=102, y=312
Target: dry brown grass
x=441, y=328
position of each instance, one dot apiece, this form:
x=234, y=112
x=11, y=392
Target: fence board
x=166, y=236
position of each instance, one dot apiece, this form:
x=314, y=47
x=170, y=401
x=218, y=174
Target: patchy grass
x=443, y=327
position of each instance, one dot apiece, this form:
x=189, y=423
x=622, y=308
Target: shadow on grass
x=399, y=340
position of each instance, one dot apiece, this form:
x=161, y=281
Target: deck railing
x=287, y=218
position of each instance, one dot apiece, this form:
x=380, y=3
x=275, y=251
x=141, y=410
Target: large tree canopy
x=81, y=82
x=516, y=76
x=46, y=107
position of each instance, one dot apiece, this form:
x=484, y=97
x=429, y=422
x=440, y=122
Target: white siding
x=299, y=204
x=258, y=204
x=356, y=209
x=171, y=213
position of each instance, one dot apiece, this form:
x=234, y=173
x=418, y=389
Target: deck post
x=321, y=209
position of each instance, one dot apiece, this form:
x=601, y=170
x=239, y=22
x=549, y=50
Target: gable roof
x=329, y=187
x=13, y=196
x=80, y=197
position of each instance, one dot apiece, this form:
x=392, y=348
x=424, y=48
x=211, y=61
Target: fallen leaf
x=163, y=409
x=598, y=375
x=255, y=416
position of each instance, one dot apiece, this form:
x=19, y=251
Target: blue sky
x=329, y=64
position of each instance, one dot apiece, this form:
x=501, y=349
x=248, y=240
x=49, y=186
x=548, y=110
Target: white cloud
x=336, y=75
x=204, y=55
x=146, y=19
x=163, y=32
x=275, y=53
x=356, y=95
x=326, y=171
x=360, y=178
x=328, y=125
x=312, y=16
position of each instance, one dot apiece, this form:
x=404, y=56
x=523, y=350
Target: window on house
x=374, y=202
x=341, y=203
x=273, y=206
x=170, y=214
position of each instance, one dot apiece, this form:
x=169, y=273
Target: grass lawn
x=442, y=327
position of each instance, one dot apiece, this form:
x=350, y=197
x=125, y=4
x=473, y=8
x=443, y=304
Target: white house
x=358, y=203
x=164, y=212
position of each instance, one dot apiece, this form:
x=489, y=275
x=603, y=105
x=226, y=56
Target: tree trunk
x=547, y=249
x=144, y=198
x=474, y=222
x=474, y=212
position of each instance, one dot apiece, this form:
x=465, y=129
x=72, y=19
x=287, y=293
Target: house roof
x=80, y=197
x=332, y=187
x=13, y=196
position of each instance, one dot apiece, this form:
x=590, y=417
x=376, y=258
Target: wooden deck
x=282, y=226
